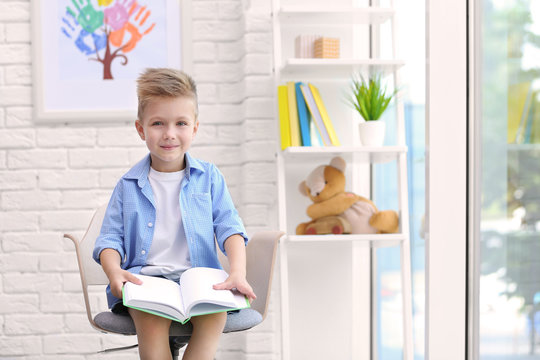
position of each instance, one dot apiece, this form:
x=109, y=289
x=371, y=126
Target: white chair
x=261, y=254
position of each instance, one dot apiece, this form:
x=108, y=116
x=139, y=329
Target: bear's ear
x=339, y=163
x=302, y=187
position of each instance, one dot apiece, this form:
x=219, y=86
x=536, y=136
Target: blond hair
x=156, y=83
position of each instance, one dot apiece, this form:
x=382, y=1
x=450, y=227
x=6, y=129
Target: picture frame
x=87, y=54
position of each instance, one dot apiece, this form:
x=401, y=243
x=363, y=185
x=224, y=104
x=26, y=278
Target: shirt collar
x=192, y=164
x=140, y=171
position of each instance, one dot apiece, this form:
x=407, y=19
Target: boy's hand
x=239, y=283
x=119, y=278
x=110, y=262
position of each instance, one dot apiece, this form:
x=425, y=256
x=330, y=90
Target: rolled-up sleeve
x=226, y=219
x=112, y=229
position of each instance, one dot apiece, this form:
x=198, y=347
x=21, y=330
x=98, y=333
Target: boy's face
x=168, y=126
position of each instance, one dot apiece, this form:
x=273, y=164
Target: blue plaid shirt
x=208, y=215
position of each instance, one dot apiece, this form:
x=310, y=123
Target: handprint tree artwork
x=88, y=54
x=107, y=30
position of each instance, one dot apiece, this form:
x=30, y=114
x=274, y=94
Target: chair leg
x=176, y=343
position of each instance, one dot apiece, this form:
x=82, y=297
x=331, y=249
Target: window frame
x=447, y=178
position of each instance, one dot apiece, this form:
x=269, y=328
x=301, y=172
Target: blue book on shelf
x=303, y=116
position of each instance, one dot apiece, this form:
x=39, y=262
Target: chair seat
x=123, y=324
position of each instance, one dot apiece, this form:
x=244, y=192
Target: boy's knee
x=211, y=321
x=148, y=322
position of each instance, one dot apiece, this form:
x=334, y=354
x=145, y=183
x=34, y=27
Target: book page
x=156, y=294
x=196, y=284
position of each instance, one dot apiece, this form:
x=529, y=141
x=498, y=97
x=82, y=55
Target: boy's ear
x=196, y=127
x=140, y=129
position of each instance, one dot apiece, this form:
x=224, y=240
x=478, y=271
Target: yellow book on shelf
x=519, y=101
x=535, y=126
x=284, y=127
x=324, y=115
x=293, y=115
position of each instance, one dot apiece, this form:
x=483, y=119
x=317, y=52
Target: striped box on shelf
x=304, y=46
x=326, y=48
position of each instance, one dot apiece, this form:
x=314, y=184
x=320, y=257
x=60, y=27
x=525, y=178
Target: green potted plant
x=370, y=99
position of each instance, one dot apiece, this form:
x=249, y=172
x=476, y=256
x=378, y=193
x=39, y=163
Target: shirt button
x=143, y=252
x=150, y=224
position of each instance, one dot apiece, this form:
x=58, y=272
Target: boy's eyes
x=158, y=123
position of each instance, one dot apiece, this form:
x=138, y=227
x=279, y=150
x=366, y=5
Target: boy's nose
x=169, y=133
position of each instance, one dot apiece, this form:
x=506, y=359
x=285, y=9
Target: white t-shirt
x=169, y=252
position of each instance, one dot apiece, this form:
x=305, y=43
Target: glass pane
x=509, y=301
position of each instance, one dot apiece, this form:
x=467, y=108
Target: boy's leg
x=204, y=341
x=152, y=335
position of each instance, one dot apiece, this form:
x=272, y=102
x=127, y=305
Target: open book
x=195, y=296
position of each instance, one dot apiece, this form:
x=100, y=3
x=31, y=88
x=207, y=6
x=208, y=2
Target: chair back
x=261, y=253
x=261, y=257
x=92, y=271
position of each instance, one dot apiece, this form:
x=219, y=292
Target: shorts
x=119, y=308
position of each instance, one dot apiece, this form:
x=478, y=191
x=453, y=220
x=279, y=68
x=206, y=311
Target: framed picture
x=87, y=54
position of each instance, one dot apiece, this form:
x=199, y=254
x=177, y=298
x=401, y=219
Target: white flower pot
x=372, y=133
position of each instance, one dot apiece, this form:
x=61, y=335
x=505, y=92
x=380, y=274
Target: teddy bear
x=335, y=211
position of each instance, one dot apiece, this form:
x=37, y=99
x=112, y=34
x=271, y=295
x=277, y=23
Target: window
x=508, y=103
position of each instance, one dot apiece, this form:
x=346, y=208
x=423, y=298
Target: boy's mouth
x=169, y=147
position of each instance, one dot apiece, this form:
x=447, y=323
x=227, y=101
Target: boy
x=164, y=213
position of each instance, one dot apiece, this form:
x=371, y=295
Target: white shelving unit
x=307, y=331
x=333, y=68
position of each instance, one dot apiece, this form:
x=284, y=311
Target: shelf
x=299, y=15
x=364, y=154
x=522, y=147
x=336, y=68
x=367, y=240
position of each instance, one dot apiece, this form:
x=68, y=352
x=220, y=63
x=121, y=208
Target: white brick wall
x=53, y=176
